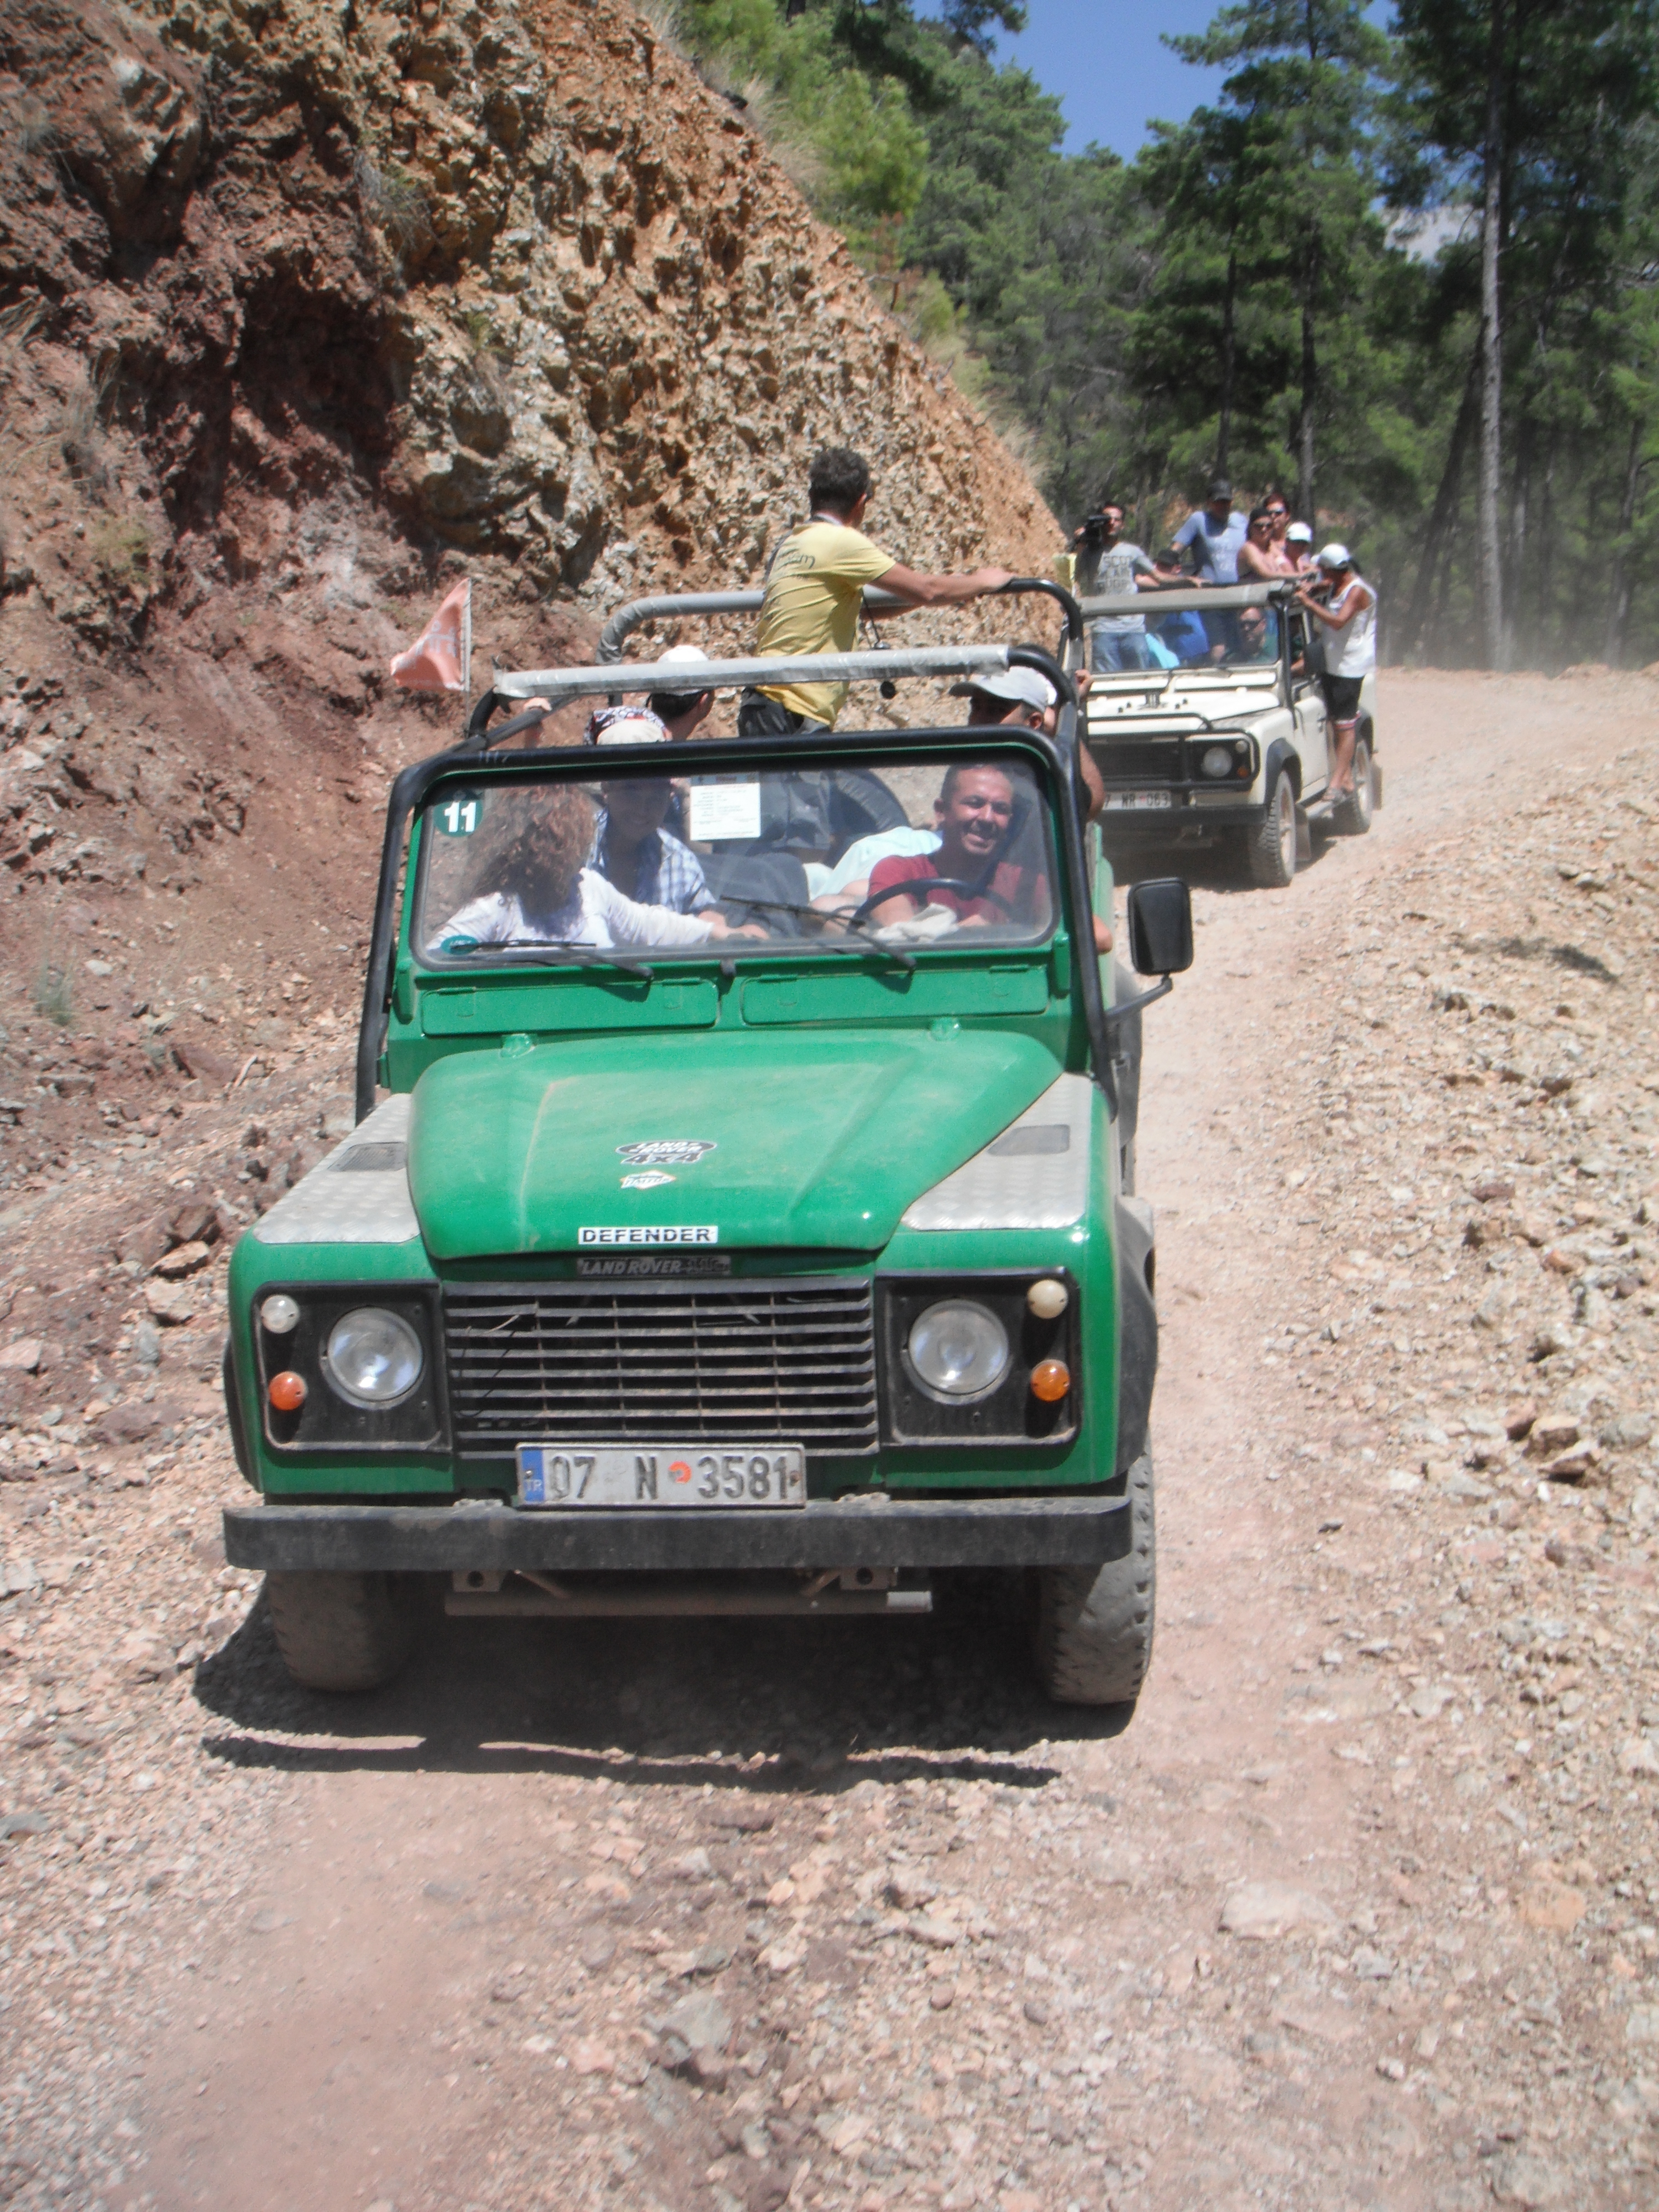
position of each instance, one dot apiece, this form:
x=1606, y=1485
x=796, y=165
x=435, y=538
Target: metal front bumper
x=999, y=1532
x=1160, y=824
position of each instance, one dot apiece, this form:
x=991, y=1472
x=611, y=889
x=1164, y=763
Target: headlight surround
x=1215, y=761
x=373, y=1357
x=958, y=1350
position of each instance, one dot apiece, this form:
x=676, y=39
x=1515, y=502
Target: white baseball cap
x=683, y=655
x=1301, y=533
x=1020, y=686
x=624, y=726
x=1335, y=555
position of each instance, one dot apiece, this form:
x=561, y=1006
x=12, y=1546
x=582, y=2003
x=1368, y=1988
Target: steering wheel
x=915, y=884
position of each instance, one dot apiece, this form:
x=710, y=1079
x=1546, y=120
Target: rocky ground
x=1361, y=1909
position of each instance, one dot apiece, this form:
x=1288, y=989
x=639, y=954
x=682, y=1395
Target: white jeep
x=1229, y=745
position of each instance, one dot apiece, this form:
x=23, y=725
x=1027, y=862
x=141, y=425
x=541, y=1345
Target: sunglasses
x=1275, y=513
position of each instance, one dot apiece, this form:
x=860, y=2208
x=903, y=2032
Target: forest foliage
x=1286, y=285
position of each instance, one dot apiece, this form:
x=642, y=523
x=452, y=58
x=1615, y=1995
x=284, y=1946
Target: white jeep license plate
x=1124, y=799
x=706, y=1475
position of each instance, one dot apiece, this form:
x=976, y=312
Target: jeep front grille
x=1137, y=760
x=788, y=1361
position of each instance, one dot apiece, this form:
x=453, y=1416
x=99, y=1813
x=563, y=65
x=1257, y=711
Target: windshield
x=872, y=855
x=1228, y=638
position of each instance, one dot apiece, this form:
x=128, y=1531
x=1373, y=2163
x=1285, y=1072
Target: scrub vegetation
x=1288, y=284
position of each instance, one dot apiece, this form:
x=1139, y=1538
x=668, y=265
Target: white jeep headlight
x=373, y=1357
x=1215, y=760
x=958, y=1348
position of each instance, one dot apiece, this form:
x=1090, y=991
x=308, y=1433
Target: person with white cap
x=1007, y=695
x=1298, y=545
x=681, y=712
x=632, y=849
x=1349, y=618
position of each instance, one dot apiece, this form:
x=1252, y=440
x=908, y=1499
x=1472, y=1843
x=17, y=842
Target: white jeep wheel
x=1352, y=818
x=1273, y=846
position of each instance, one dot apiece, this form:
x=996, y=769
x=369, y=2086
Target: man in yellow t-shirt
x=814, y=588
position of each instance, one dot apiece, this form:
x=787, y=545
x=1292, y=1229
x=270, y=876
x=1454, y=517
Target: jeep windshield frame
x=1264, y=677
x=438, y=943
x=1056, y=757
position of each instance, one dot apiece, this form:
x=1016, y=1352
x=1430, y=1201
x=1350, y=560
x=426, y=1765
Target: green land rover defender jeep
x=755, y=1242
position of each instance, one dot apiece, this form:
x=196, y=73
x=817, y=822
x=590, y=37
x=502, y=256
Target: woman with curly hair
x=531, y=884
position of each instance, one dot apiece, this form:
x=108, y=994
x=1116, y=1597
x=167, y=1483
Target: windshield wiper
x=871, y=943
x=580, y=956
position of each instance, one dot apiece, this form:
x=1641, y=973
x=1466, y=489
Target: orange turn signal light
x=1050, y=1380
x=288, y=1391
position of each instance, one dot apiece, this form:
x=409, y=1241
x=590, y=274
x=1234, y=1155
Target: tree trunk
x=1619, y=581
x=1514, y=554
x=1491, y=341
x=1544, y=568
x=1229, y=352
x=1445, y=501
x=1304, y=424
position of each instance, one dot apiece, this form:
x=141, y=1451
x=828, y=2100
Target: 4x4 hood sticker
x=666, y=1152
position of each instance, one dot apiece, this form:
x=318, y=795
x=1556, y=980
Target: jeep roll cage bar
x=673, y=606
x=1190, y=599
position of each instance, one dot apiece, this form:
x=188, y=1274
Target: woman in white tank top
x=1349, y=616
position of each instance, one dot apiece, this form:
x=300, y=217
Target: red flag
x=440, y=659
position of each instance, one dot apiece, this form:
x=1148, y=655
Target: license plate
x=704, y=1475
x=1124, y=799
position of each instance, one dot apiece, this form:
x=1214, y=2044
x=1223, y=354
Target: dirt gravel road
x=1355, y=1913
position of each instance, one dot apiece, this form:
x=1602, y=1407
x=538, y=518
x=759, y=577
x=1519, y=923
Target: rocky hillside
x=303, y=312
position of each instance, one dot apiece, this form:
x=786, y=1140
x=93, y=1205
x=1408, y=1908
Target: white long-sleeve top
x=595, y=913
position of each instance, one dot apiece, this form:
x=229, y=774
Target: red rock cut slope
x=303, y=310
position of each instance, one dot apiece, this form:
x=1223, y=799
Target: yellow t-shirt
x=813, y=589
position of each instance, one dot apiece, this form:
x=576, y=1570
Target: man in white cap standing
x=1349, y=620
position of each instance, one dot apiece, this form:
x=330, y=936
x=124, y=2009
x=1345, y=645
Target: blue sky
x=1105, y=60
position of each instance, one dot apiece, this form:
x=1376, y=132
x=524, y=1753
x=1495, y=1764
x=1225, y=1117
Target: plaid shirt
x=670, y=873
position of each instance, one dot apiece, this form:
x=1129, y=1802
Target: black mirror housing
x=1161, y=926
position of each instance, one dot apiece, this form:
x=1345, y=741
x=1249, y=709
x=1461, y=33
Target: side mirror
x=1161, y=926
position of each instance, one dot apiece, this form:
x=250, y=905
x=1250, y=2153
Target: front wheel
x=341, y=1632
x=1352, y=817
x=1091, y=1628
x=1271, y=848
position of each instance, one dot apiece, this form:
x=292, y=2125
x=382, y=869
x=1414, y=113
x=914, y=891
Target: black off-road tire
x=1272, y=848
x=1091, y=1628
x=341, y=1632
x=1352, y=818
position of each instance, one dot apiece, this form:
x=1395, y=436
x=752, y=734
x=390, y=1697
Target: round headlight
x=1215, y=760
x=280, y=1313
x=959, y=1349
x=373, y=1357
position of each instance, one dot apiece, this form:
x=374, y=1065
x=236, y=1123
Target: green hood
x=818, y=1140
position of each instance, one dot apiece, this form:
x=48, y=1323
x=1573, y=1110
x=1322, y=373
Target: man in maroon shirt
x=973, y=815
